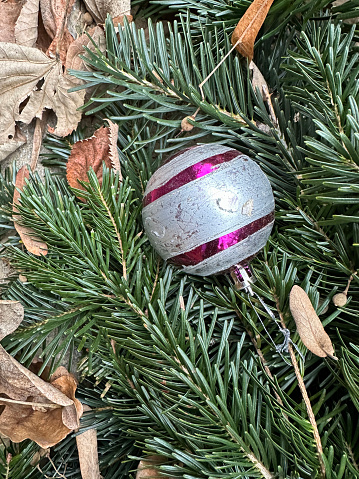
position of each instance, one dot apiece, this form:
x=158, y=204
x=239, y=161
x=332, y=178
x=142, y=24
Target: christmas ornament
x=208, y=208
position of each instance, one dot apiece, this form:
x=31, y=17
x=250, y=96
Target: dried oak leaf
x=309, y=326
x=43, y=420
x=26, y=28
x=9, y=12
x=28, y=72
x=31, y=242
x=117, y=9
x=247, y=29
x=91, y=153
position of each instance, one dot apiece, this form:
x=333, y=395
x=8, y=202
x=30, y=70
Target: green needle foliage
x=180, y=366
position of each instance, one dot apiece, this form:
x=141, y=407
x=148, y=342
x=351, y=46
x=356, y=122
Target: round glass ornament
x=209, y=209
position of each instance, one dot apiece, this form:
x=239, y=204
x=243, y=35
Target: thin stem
x=305, y=396
x=349, y=281
x=117, y=233
x=32, y=404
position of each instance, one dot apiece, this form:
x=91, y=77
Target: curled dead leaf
x=247, y=29
x=309, y=326
x=54, y=15
x=33, y=408
x=31, y=242
x=77, y=49
x=91, y=153
x=115, y=8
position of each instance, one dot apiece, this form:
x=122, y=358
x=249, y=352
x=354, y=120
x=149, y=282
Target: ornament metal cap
x=243, y=277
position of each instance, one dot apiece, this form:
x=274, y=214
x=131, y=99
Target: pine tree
x=180, y=366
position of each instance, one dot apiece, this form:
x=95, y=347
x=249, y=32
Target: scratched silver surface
x=234, y=195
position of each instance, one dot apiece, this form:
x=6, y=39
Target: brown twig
x=349, y=281
x=36, y=143
x=305, y=396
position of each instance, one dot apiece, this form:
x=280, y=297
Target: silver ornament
x=208, y=208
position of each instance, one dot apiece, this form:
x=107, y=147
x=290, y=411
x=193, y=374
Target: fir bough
x=174, y=365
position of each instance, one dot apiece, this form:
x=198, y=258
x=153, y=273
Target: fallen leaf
x=28, y=72
x=115, y=8
x=11, y=314
x=54, y=15
x=309, y=326
x=77, y=49
x=91, y=153
x=258, y=81
x=9, y=12
x=88, y=453
x=26, y=28
x=146, y=467
x=66, y=383
x=12, y=144
x=31, y=242
x=247, y=29
x=32, y=408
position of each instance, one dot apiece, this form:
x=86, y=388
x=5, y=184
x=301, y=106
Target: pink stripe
x=191, y=173
x=206, y=250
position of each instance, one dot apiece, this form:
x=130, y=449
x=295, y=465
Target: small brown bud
x=87, y=18
x=22, y=278
x=340, y=299
x=186, y=125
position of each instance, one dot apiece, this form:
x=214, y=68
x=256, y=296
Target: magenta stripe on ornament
x=206, y=250
x=191, y=173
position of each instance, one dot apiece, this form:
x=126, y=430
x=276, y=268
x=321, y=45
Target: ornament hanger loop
x=244, y=277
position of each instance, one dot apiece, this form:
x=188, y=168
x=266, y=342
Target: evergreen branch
x=124, y=271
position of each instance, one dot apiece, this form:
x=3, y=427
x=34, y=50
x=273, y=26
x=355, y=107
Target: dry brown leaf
x=54, y=15
x=26, y=28
x=41, y=420
x=115, y=8
x=22, y=69
x=12, y=144
x=247, y=29
x=146, y=467
x=66, y=383
x=88, y=453
x=89, y=153
x=11, y=314
x=309, y=326
x=31, y=242
x=77, y=48
x=9, y=12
